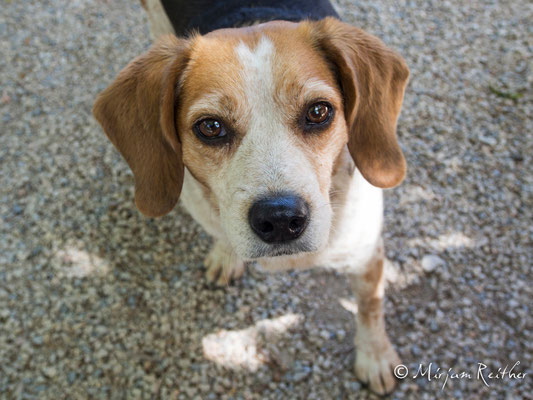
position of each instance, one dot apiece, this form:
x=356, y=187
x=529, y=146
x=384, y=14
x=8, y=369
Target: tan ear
x=373, y=79
x=137, y=114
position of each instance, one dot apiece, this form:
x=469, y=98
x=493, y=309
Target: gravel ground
x=98, y=302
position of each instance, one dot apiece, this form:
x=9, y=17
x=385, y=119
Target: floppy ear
x=373, y=79
x=137, y=114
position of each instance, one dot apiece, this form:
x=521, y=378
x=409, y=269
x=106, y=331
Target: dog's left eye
x=209, y=128
x=318, y=113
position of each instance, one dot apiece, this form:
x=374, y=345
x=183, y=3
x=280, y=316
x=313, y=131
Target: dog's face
x=260, y=129
x=259, y=116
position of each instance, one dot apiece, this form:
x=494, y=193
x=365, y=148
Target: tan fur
x=137, y=114
x=254, y=81
x=373, y=79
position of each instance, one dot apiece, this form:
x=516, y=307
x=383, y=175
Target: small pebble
x=432, y=262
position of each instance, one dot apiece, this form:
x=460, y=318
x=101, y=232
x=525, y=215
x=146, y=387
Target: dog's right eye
x=317, y=117
x=318, y=113
x=209, y=129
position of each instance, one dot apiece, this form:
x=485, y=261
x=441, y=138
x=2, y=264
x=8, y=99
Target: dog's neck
x=208, y=15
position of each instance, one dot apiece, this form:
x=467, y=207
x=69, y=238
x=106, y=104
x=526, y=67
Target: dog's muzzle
x=279, y=219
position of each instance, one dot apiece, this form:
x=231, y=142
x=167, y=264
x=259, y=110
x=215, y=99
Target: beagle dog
x=276, y=128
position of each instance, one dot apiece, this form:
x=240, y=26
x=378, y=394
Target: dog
x=275, y=124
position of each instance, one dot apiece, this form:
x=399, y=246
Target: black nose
x=279, y=218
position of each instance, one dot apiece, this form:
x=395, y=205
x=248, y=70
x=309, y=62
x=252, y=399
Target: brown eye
x=210, y=129
x=318, y=113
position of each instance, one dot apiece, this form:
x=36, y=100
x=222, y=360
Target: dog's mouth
x=280, y=250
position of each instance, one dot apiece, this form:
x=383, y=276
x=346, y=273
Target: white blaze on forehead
x=267, y=151
x=256, y=62
x=257, y=74
x=255, y=57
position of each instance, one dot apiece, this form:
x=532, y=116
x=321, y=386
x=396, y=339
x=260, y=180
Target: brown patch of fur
x=136, y=112
x=373, y=80
x=369, y=303
x=291, y=76
x=214, y=69
x=368, y=289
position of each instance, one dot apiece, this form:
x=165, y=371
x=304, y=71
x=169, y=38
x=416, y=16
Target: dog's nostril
x=296, y=223
x=279, y=219
x=266, y=227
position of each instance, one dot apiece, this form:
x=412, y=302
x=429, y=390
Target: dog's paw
x=376, y=368
x=223, y=265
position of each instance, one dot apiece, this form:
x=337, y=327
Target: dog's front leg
x=222, y=264
x=375, y=356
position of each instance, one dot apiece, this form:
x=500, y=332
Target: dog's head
x=259, y=116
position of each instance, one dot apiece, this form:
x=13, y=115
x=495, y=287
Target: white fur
x=355, y=231
x=314, y=88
